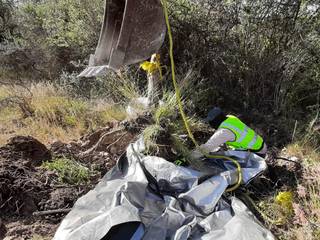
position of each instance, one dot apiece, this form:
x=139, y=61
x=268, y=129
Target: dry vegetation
x=51, y=114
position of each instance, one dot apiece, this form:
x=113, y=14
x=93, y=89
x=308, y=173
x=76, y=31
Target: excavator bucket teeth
x=132, y=31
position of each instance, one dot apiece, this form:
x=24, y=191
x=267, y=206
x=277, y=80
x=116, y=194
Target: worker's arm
x=220, y=137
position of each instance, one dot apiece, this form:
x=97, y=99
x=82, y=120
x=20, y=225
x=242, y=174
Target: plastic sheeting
x=171, y=202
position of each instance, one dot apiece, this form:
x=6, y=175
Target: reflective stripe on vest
x=245, y=137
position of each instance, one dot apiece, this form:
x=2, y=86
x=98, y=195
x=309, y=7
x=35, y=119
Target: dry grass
x=304, y=151
x=55, y=114
x=303, y=223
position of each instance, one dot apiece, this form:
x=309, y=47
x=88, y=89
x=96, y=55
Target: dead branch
x=49, y=212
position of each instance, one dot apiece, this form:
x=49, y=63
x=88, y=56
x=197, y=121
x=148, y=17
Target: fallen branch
x=288, y=160
x=49, y=212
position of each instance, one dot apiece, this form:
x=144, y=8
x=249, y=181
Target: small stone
x=294, y=159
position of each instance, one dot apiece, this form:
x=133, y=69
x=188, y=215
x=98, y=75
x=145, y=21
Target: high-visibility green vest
x=245, y=137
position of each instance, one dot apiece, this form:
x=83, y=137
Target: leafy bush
x=249, y=55
x=59, y=35
x=82, y=87
x=7, y=25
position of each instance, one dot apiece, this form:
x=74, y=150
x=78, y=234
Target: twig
x=108, y=148
x=104, y=136
x=294, y=130
x=49, y=212
x=6, y=202
x=288, y=160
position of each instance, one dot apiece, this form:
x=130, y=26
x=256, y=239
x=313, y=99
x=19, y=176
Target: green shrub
x=69, y=171
x=92, y=88
x=7, y=24
x=248, y=55
x=59, y=34
x=150, y=135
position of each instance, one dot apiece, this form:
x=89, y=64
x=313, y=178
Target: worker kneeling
x=232, y=132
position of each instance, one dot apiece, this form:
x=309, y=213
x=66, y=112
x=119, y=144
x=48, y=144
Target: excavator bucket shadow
x=132, y=31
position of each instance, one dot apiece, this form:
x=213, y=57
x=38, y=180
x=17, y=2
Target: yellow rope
x=182, y=113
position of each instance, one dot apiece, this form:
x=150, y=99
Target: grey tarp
x=179, y=203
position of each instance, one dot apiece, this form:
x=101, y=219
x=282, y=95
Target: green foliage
x=67, y=23
x=59, y=34
x=7, y=24
x=248, y=55
x=122, y=87
x=168, y=126
x=150, y=135
x=167, y=109
x=69, y=171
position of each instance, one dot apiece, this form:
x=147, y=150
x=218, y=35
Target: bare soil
x=28, y=191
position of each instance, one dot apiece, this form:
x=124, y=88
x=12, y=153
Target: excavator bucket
x=132, y=31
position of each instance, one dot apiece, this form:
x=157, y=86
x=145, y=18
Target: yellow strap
x=151, y=67
x=182, y=113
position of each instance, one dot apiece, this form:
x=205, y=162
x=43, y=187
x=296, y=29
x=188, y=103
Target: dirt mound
x=21, y=187
x=27, y=148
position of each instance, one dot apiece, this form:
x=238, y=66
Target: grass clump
x=150, y=135
x=69, y=171
x=167, y=108
x=277, y=210
x=168, y=130
x=113, y=113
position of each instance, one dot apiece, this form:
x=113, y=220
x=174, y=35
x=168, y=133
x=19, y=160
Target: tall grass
x=55, y=115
